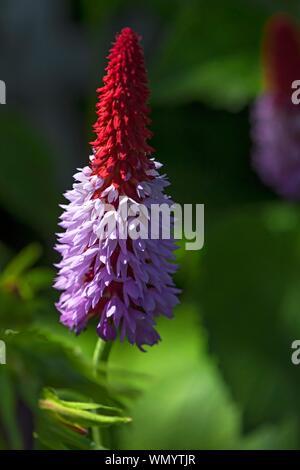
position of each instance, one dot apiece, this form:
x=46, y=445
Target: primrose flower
x=123, y=282
x=275, y=119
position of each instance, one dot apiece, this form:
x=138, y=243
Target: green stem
x=101, y=354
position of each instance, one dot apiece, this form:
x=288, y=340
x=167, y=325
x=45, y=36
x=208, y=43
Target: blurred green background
x=222, y=378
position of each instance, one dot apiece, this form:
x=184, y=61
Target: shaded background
x=222, y=376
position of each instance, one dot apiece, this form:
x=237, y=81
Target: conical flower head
x=109, y=270
x=276, y=120
x=121, y=146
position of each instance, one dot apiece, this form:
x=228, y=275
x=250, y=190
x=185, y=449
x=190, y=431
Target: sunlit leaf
x=79, y=414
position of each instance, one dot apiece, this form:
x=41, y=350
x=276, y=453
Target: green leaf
x=210, y=56
x=56, y=395
x=79, y=414
x=56, y=435
x=22, y=261
x=89, y=406
x=229, y=82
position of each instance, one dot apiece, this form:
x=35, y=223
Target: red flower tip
x=120, y=148
x=281, y=56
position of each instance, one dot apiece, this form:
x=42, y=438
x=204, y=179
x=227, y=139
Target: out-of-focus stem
x=100, y=356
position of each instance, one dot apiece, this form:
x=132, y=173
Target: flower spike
x=275, y=118
x=123, y=282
